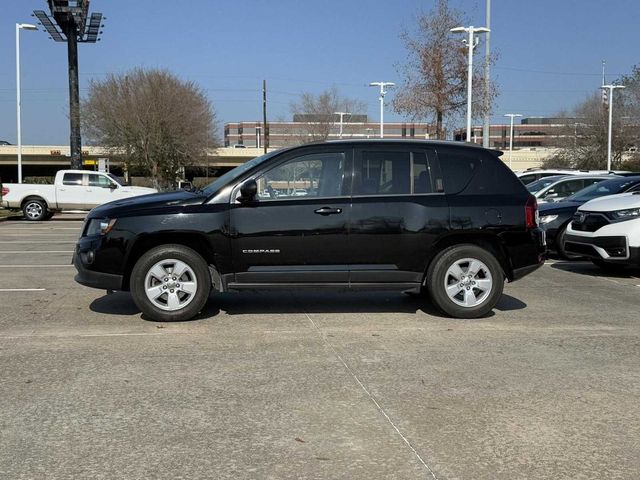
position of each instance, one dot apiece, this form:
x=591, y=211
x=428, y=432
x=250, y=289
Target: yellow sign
x=89, y=162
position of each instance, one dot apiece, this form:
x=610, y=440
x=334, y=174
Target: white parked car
x=72, y=190
x=559, y=187
x=533, y=174
x=607, y=230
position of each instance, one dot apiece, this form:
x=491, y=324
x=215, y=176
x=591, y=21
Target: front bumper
x=612, y=249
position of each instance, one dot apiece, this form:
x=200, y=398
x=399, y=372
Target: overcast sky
x=550, y=52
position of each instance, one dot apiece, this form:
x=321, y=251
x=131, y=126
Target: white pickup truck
x=72, y=190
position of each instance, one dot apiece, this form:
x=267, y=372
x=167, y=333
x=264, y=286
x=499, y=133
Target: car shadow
x=248, y=303
x=591, y=270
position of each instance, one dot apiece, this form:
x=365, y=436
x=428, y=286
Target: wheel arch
x=34, y=197
x=486, y=240
x=194, y=240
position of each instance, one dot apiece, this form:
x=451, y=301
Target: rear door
x=296, y=230
x=72, y=193
x=398, y=210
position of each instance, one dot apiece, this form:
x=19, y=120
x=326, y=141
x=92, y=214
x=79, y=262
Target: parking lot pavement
x=303, y=385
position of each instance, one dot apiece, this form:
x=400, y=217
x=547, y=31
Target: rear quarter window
x=477, y=172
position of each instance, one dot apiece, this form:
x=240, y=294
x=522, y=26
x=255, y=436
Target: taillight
x=5, y=191
x=531, y=212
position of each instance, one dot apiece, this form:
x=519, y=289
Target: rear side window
x=383, y=173
x=396, y=172
x=72, y=179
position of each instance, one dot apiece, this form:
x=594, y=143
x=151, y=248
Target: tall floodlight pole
x=472, y=43
x=20, y=26
x=69, y=22
x=342, y=114
x=383, y=92
x=512, y=116
x=486, y=127
x=610, y=88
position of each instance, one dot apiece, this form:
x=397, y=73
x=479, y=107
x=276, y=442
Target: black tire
x=198, y=268
x=607, y=267
x=559, y=244
x=437, y=273
x=35, y=210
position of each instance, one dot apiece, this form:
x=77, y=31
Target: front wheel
x=170, y=283
x=465, y=281
x=35, y=210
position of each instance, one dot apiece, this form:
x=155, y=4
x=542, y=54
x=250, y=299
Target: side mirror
x=112, y=186
x=248, y=191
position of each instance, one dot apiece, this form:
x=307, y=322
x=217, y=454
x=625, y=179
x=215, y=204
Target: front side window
x=99, y=181
x=315, y=175
x=72, y=179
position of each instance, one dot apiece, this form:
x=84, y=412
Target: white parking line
x=37, y=241
x=35, y=266
x=38, y=251
x=22, y=289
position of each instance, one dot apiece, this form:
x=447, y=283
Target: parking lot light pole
x=383, y=92
x=511, y=115
x=471, y=43
x=19, y=26
x=342, y=114
x=611, y=88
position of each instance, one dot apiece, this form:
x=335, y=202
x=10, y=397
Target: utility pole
x=486, y=127
x=19, y=26
x=512, y=115
x=610, y=89
x=264, y=116
x=471, y=43
x=383, y=92
x=70, y=22
x=342, y=114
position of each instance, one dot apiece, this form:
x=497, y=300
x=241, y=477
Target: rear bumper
x=528, y=254
x=89, y=278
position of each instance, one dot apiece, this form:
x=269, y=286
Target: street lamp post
x=511, y=115
x=471, y=43
x=611, y=88
x=383, y=92
x=342, y=114
x=19, y=26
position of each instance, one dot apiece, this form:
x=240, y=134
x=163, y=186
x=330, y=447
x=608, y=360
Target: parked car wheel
x=170, y=283
x=35, y=210
x=465, y=281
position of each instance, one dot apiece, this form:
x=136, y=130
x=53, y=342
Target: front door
x=99, y=189
x=295, y=232
x=398, y=211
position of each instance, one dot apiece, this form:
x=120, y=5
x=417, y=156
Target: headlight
x=628, y=214
x=547, y=219
x=100, y=226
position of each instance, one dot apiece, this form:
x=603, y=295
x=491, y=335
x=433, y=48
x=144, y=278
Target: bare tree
x=161, y=123
x=584, y=138
x=317, y=112
x=435, y=73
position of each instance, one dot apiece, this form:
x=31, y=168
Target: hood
x=127, y=206
x=612, y=202
x=557, y=207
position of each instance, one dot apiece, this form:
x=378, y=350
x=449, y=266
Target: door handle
x=328, y=211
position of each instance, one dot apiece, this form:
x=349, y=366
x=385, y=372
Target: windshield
x=540, y=184
x=220, y=182
x=601, y=189
x=118, y=180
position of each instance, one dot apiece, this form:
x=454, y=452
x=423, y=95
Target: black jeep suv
x=447, y=219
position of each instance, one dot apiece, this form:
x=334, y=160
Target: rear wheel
x=465, y=281
x=35, y=209
x=170, y=283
